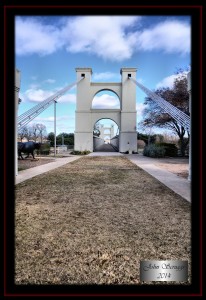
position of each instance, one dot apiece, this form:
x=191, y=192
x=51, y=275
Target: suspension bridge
x=179, y=116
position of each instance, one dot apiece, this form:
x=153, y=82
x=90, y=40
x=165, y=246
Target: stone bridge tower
x=86, y=116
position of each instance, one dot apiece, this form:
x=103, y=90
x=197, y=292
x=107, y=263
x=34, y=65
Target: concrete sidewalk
x=178, y=184
x=31, y=172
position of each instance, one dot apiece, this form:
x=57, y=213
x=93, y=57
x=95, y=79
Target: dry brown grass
x=28, y=163
x=93, y=220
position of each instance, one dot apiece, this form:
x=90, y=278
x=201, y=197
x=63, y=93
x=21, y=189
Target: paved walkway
x=31, y=172
x=178, y=184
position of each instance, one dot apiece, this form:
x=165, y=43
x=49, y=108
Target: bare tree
x=34, y=130
x=29, y=134
x=155, y=116
x=41, y=131
x=23, y=132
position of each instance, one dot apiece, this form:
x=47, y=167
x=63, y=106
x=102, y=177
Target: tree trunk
x=183, y=145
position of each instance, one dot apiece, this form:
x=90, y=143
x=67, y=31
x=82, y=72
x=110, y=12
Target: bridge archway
x=108, y=136
x=106, y=99
x=87, y=116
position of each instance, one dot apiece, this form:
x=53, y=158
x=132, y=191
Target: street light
x=55, y=128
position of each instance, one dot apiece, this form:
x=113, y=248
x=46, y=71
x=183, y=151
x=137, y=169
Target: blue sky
x=48, y=49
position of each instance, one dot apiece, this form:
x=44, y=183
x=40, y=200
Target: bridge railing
x=115, y=142
x=97, y=141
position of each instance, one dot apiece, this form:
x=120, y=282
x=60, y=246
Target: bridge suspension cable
x=32, y=113
x=182, y=118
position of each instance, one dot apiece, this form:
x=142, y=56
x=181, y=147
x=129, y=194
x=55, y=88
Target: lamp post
x=55, y=128
x=17, y=101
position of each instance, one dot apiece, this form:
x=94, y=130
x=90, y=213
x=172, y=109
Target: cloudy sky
x=48, y=49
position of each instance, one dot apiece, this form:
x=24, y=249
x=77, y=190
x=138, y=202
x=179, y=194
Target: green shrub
x=44, y=149
x=76, y=152
x=154, y=151
x=170, y=149
x=85, y=152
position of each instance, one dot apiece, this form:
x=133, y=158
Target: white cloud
x=105, y=101
x=105, y=36
x=114, y=38
x=34, y=86
x=49, y=80
x=51, y=119
x=104, y=76
x=140, y=107
x=35, y=95
x=108, y=37
x=32, y=36
x=168, y=81
x=169, y=36
x=38, y=95
x=70, y=98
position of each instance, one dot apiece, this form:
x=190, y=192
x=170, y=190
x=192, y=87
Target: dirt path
x=93, y=220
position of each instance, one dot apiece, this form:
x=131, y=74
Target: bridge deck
x=105, y=148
